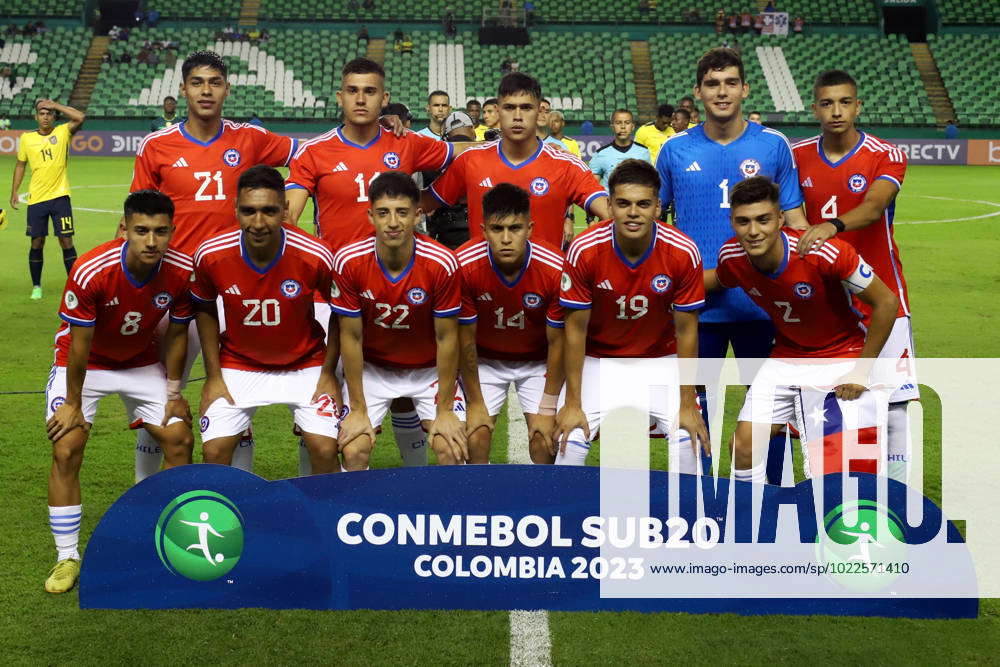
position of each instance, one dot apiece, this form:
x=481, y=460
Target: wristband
x=838, y=223
x=173, y=390
x=547, y=406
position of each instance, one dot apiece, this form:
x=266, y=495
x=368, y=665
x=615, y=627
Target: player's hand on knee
x=570, y=417
x=452, y=431
x=477, y=417
x=544, y=426
x=214, y=389
x=690, y=419
x=66, y=418
x=178, y=408
x=353, y=426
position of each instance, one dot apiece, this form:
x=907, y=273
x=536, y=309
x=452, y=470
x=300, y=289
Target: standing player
x=273, y=350
x=475, y=110
x=338, y=167
x=554, y=178
x=850, y=180
x=491, y=118
x=653, y=134
x=632, y=287
x=197, y=163
x=438, y=108
x=805, y=294
x=114, y=299
x=168, y=117
x=557, y=123
x=398, y=297
x=610, y=155
x=511, y=324
x=47, y=150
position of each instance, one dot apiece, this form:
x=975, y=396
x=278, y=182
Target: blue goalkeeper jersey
x=697, y=175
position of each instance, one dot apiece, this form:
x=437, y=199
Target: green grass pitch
x=953, y=274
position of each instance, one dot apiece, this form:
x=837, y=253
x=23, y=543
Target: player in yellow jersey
x=652, y=135
x=47, y=150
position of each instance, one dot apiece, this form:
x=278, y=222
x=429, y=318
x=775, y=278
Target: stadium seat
x=36, y=77
x=959, y=58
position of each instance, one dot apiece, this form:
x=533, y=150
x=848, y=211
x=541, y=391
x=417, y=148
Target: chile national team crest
x=290, y=288
x=857, y=183
x=660, y=283
x=391, y=160
x=749, y=167
x=539, y=186
x=56, y=402
x=232, y=157
x=416, y=296
x=803, y=290
x=531, y=300
x=163, y=300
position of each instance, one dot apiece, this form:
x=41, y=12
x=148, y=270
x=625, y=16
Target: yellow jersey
x=480, y=131
x=47, y=156
x=572, y=145
x=652, y=138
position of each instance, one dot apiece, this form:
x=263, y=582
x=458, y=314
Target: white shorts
x=143, y=390
x=773, y=396
x=528, y=378
x=902, y=374
x=253, y=389
x=384, y=385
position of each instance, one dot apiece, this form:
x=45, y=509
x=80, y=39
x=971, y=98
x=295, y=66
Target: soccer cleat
x=63, y=576
x=36, y=292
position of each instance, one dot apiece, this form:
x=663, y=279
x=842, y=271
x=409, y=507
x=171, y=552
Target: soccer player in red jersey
x=806, y=297
x=273, y=351
x=556, y=179
x=511, y=324
x=398, y=297
x=850, y=180
x=632, y=287
x=115, y=296
x=197, y=163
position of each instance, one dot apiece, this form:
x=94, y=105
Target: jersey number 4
x=206, y=178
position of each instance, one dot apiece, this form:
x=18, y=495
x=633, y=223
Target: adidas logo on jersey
x=233, y=289
x=808, y=183
x=340, y=167
x=485, y=296
x=367, y=294
x=605, y=284
x=181, y=163
x=486, y=182
x=754, y=291
x=694, y=166
x=113, y=302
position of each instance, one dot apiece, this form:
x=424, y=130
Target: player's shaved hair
x=665, y=110
x=833, y=77
x=169, y=98
x=634, y=172
x=261, y=177
x=473, y=103
x=555, y=113
x=209, y=59
x=490, y=101
x=686, y=98
x=754, y=190
x=505, y=200
x=618, y=111
x=684, y=112
x=519, y=82
x=438, y=93
x=717, y=59
x=148, y=202
x=393, y=184
x=362, y=66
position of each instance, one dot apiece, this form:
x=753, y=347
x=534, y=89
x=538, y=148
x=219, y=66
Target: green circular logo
x=199, y=535
x=863, y=546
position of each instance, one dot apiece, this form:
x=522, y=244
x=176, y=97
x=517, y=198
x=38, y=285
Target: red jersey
x=398, y=313
x=514, y=314
x=808, y=298
x=631, y=304
x=201, y=178
x=100, y=293
x=554, y=178
x=269, y=312
x=830, y=190
x=337, y=173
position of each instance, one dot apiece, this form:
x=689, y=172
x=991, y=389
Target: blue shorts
x=58, y=209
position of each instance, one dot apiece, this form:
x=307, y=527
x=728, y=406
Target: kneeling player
x=808, y=301
x=273, y=351
x=115, y=296
x=511, y=324
x=398, y=297
x=632, y=287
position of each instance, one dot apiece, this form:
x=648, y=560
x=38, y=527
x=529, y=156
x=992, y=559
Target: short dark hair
x=519, y=82
x=362, y=66
x=635, y=172
x=397, y=109
x=665, y=110
x=716, y=59
x=204, y=59
x=170, y=97
x=506, y=199
x=393, y=184
x=148, y=202
x=833, y=77
x=755, y=112
x=682, y=111
x=261, y=177
x=473, y=103
x=686, y=98
x=436, y=93
x=618, y=111
x=492, y=100
x=753, y=190
x=545, y=100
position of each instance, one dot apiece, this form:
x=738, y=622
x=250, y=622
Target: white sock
x=755, y=474
x=64, y=522
x=305, y=465
x=576, y=454
x=148, y=455
x=410, y=438
x=243, y=456
x=681, y=457
x=898, y=445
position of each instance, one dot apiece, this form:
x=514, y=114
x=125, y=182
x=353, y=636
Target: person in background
x=754, y=117
x=169, y=116
x=557, y=123
x=950, y=130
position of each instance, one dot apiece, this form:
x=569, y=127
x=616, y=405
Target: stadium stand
x=204, y=9
x=969, y=86
x=981, y=12
x=40, y=9
x=406, y=74
x=39, y=67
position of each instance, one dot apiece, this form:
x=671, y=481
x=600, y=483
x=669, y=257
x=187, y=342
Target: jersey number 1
x=360, y=180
